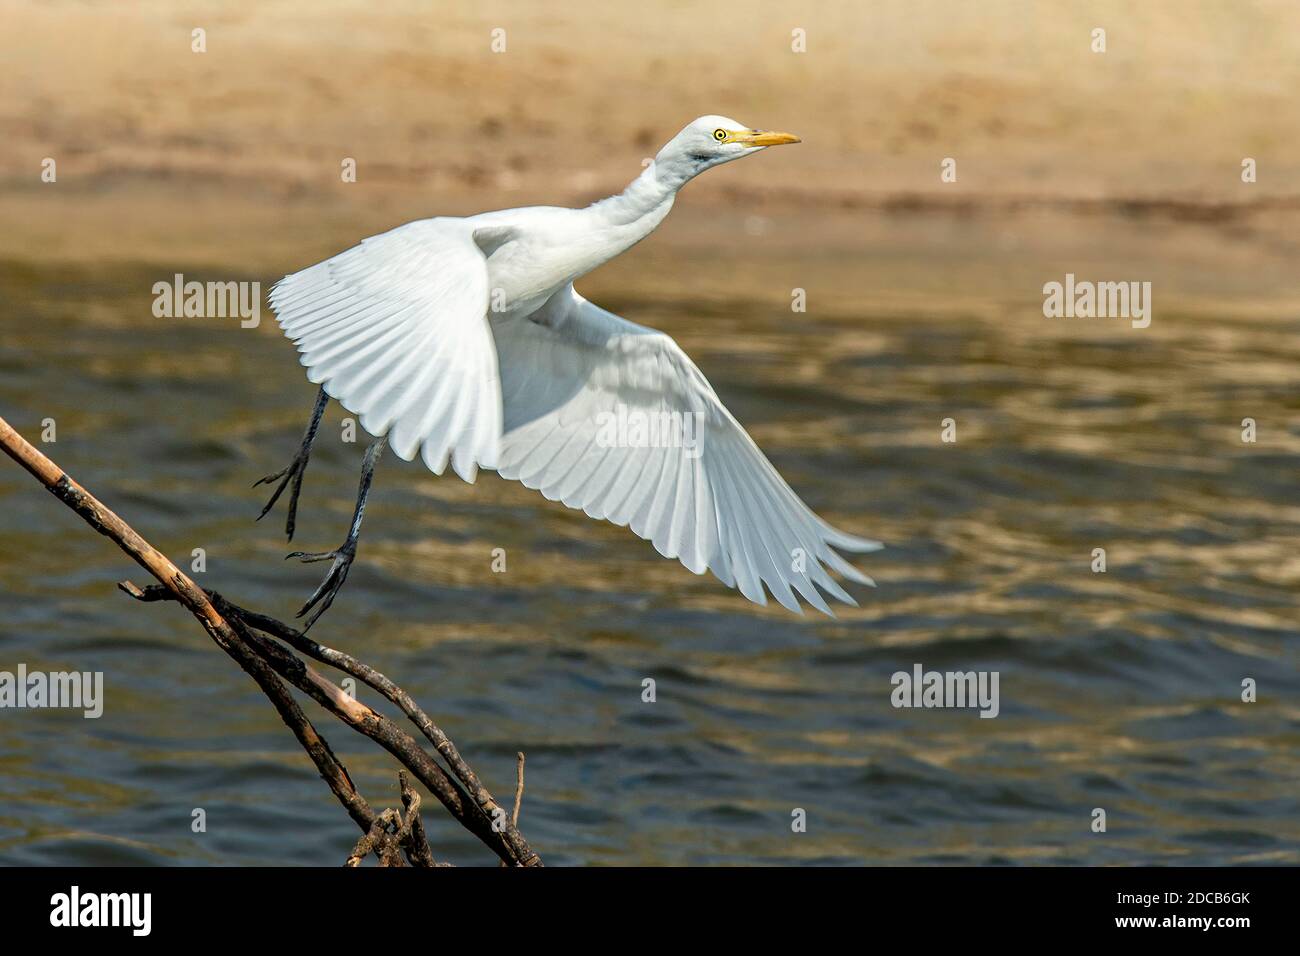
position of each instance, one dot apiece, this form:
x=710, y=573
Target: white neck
x=637, y=210
x=612, y=226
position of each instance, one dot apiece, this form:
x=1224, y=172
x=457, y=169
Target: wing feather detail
x=396, y=331
x=570, y=370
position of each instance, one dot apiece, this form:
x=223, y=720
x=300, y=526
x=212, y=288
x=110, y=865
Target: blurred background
x=1119, y=690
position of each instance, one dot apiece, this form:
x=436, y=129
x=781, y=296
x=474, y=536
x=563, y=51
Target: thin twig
x=392, y=831
x=519, y=789
x=417, y=845
x=519, y=792
x=380, y=839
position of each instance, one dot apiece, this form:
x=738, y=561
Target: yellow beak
x=755, y=137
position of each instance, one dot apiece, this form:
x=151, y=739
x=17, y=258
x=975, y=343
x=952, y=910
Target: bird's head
x=713, y=140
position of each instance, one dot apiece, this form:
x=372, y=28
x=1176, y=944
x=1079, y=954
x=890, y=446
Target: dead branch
x=234, y=630
x=390, y=690
x=418, y=851
x=392, y=832
x=477, y=817
x=381, y=839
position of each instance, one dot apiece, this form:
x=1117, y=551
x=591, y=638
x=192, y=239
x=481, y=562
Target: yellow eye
x=719, y=134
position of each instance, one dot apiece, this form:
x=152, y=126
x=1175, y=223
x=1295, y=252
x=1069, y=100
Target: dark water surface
x=1118, y=690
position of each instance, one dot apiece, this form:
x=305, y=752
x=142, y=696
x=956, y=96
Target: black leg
x=297, y=468
x=342, y=556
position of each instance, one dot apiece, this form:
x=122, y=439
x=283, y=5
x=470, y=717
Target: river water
x=1119, y=690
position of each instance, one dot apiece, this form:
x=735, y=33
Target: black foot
x=297, y=468
x=338, y=573
x=291, y=475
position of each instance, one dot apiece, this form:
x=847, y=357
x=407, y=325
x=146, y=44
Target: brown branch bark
x=379, y=839
x=393, y=832
x=266, y=662
x=418, y=849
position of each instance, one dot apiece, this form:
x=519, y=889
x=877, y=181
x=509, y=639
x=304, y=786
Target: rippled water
x=1118, y=690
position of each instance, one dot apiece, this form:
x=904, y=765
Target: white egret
x=463, y=341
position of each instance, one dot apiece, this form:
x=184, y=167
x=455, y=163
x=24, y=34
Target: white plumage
x=463, y=340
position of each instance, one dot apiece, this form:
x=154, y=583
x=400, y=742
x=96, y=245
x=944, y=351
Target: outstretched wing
x=396, y=330
x=577, y=382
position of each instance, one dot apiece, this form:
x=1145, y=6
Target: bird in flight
x=463, y=341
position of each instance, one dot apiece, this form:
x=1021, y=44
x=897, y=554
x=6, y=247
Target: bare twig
x=392, y=832
x=231, y=628
x=380, y=839
x=519, y=789
x=519, y=792
x=417, y=846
